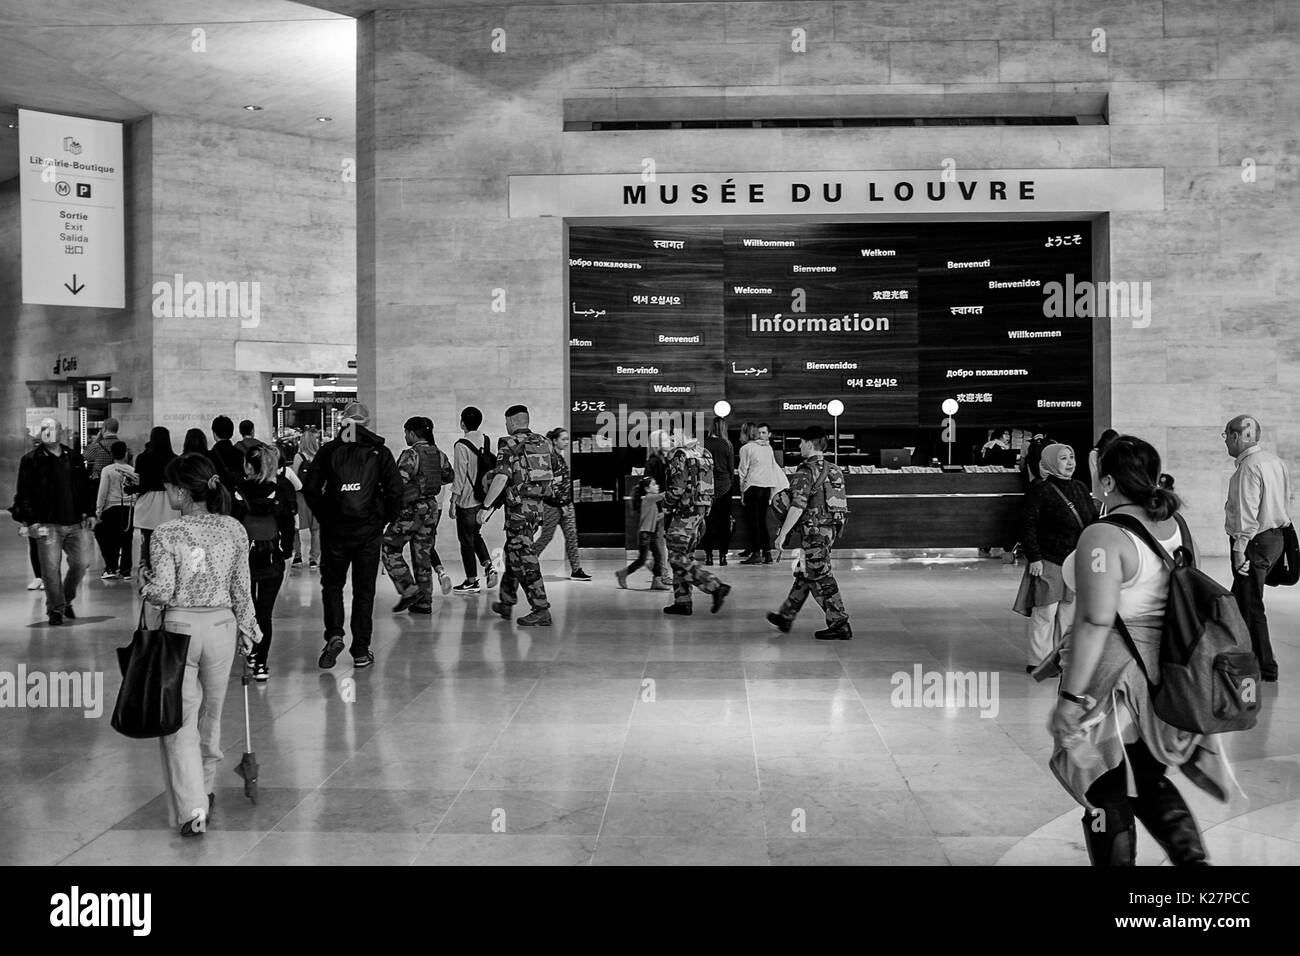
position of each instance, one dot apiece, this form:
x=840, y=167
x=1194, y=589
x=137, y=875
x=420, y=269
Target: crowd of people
x=220, y=525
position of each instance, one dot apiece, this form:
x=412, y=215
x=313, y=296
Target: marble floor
x=619, y=736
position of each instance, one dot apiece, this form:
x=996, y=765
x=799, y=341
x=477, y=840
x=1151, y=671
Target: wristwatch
x=1084, y=701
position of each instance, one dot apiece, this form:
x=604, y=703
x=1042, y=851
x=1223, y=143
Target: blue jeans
x=61, y=539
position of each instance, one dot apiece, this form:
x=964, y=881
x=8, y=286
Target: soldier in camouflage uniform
x=424, y=468
x=807, y=512
x=685, y=522
x=523, y=516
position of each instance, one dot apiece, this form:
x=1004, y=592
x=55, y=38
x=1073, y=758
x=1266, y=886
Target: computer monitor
x=895, y=457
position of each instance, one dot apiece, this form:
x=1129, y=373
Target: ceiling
x=127, y=59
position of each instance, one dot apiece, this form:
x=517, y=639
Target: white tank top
x=1146, y=592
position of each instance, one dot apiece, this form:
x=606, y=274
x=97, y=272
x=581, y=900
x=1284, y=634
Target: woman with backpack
x=1109, y=740
x=152, y=505
x=265, y=503
x=558, y=510
x=307, y=449
x=1056, y=511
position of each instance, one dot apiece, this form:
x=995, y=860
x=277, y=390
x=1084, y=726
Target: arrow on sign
x=74, y=288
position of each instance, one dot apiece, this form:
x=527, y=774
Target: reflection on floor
x=619, y=736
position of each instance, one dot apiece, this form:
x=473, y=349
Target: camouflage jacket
x=510, y=462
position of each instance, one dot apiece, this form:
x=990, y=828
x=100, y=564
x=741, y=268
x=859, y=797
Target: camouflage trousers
x=416, y=525
x=683, y=538
x=817, y=579
x=522, y=566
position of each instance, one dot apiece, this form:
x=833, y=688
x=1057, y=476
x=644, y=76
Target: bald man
x=1259, y=495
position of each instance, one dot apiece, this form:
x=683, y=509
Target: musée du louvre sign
x=825, y=192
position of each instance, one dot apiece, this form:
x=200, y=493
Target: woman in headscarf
x=1056, y=511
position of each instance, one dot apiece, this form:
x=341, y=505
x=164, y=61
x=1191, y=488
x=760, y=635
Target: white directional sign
x=72, y=211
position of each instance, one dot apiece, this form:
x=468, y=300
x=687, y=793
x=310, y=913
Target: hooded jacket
x=323, y=488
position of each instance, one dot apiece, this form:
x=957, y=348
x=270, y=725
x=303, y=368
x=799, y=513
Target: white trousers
x=1048, y=626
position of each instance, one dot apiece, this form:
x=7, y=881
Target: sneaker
x=579, y=575
x=55, y=618
x=492, y=579
x=260, y=672
x=420, y=609
x=468, y=587
x=621, y=576
x=754, y=558
x=840, y=632
x=68, y=612
x=501, y=609
x=535, y=619
x=444, y=581
x=667, y=581
x=333, y=648
x=679, y=609
x=313, y=565
x=297, y=560
x=406, y=602
x=660, y=586
x=36, y=585
x=778, y=622
x=365, y=660
x=719, y=596
x=109, y=576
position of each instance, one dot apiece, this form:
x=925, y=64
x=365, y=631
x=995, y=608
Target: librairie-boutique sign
x=838, y=193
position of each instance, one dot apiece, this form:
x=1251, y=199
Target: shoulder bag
x=153, y=675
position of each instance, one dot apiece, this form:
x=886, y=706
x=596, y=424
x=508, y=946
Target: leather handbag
x=149, y=702
x=1286, y=571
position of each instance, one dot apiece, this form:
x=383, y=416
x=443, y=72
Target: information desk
x=886, y=511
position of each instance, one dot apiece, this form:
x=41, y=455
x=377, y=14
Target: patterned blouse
x=201, y=560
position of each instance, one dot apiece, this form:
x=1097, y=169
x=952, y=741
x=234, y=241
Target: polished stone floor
x=619, y=736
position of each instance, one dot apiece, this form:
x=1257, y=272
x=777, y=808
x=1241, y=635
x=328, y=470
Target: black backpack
x=486, y=462
x=1209, y=679
x=356, y=481
x=304, y=470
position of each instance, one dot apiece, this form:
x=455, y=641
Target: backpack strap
x=1131, y=523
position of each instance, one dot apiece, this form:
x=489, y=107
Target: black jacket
x=228, y=461
x=1050, y=531
x=724, y=463
x=274, y=502
x=36, y=498
x=150, y=467
x=322, y=486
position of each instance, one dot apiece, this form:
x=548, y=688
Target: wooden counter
x=951, y=510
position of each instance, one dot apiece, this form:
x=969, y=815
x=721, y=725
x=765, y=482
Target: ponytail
x=1135, y=466
x=194, y=473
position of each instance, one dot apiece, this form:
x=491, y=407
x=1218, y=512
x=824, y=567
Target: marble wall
x=214, y=205
x=1196, y=87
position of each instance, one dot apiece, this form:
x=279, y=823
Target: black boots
x=1110, y=836
x=1164, y=813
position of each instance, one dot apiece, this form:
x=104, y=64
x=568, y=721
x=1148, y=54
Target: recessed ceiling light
x=13, y=125
x=324, y=119
x=252, y=109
